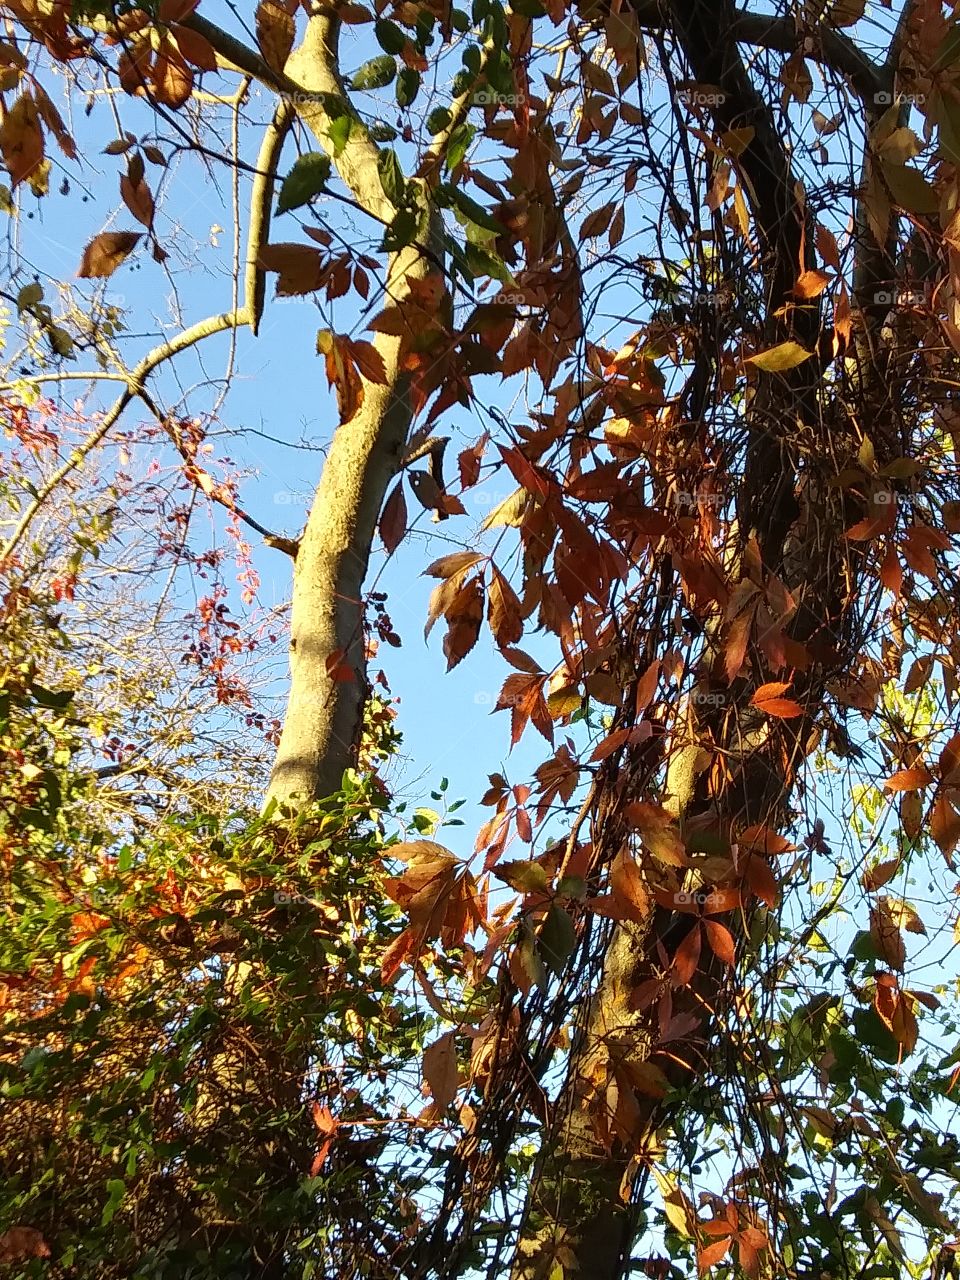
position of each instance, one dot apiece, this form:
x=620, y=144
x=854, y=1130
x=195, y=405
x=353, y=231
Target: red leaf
x=761, y=880
x=721, y=941
x=393, y=519
x=687, y=956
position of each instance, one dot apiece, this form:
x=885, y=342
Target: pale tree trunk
x=328, y=688
x=578, y=1214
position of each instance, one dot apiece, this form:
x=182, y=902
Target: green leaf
x=389, y=36
x=29, y=296
x=375, y=74
x=408, y=86
x=339, y=132
x=483, y=263
x=117, y=1188
x=60, y=341
x=437, y=120
x=306, y=179
x=460, y=141
x=471, y=210
x=391, y=176
x=401, y=231
x=557, y=939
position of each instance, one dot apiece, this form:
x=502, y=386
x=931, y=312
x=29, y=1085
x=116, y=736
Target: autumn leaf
x=106, y=252
x=687, y=956
x=19, y=1244
x=768, y=699
x=721, y=941
x=810, y=284
x=138, y=198
x=21, y=139
x=452, y=564
x=503, y=610
x=886, y=936
x=658, y=831
x=276, y=32
x=914, y=779
x=629, y=890
x=780, y=358
x=393, y=519
x=440, y=1069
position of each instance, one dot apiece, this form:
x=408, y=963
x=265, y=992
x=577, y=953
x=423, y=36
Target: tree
x=723, y=249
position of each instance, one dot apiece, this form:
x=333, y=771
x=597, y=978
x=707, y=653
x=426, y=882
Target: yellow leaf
x=780, y=358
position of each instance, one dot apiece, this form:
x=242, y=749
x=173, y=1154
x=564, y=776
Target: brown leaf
x=106, y=252
x=21, y=139
x=464, y=616
x=597, y=222
x=880, y=874
x=447, y=566
x=886, y=936
x=504, y=611
x=628, y=887
x=138, y=198
x=276, y=31
x=440, y=1069
x=945, y=826
x=54, y=121
x=299, y=267
x=18, y=1244
x=367, y=359
x=909, y=779
x=172, y=78
x=393, y=519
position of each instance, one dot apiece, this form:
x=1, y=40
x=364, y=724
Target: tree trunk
x=328, y=689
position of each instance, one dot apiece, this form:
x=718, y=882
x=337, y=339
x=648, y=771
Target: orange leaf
x=687, y=956
x=706, y=1258
x=909, y=779
x=629, y=889
x=721, y=941
x=21, y=139
x=811, y=284
x=763, y=840
x=760, y=878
